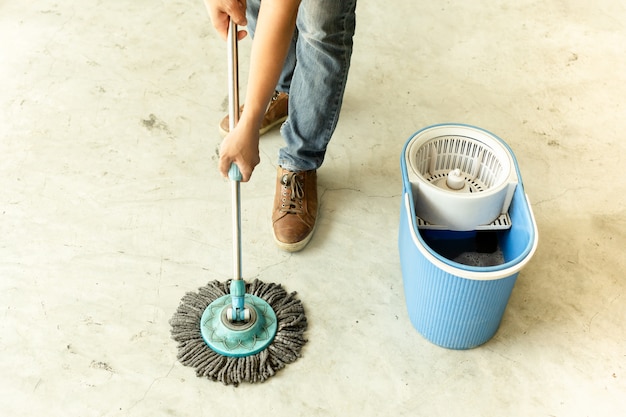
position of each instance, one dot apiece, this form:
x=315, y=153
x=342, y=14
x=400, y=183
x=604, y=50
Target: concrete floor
x=111, y=208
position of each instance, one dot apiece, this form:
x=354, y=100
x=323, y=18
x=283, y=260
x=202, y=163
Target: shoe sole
x=261, y=131
x=297, y=246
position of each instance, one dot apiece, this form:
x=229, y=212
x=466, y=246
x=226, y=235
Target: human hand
x=221, y=11
x=241, y=147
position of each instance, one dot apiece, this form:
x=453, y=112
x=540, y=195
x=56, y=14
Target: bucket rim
x=476, y=273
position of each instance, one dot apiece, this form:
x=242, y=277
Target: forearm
x=273, y=35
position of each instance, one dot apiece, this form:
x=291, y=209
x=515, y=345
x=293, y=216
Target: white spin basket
x=462, y=177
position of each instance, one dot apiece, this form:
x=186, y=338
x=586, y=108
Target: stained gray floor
x=111, y=209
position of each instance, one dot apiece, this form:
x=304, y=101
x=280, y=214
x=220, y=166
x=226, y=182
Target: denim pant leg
x=314, y=74
x=284, y=82
x=325, y=29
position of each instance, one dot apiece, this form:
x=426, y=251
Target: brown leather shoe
x=275, y=114
x=295, y=209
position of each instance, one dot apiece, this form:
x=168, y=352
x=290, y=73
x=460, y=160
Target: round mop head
x=285, y=348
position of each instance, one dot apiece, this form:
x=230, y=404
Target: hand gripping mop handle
x=237, y=285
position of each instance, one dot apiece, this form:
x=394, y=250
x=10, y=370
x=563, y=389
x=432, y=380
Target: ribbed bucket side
x=450, y=311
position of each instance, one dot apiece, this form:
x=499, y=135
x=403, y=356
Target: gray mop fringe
x=284, y=349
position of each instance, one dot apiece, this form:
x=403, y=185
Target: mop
x=235, y=332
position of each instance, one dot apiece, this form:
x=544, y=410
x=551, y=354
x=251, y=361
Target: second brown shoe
x=275, y=114
x=295, y=209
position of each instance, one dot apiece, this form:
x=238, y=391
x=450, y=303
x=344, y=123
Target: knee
x=324, y=20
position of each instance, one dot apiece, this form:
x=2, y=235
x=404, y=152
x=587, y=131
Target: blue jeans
x=314, y=75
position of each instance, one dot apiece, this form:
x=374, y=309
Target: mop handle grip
x=233, y=173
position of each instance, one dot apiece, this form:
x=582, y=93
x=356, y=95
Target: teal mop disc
x=279, y=341
x=239, y=338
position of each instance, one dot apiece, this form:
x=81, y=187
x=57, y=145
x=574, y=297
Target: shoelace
x=274, y=98
x=293, y=193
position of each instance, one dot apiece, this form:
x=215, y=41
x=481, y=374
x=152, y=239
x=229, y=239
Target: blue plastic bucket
x=455, y=305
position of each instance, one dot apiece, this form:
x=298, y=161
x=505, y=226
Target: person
x=299, y=62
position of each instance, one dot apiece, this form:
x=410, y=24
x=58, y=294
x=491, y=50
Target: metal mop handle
x=233, y=116
x=237, y=286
